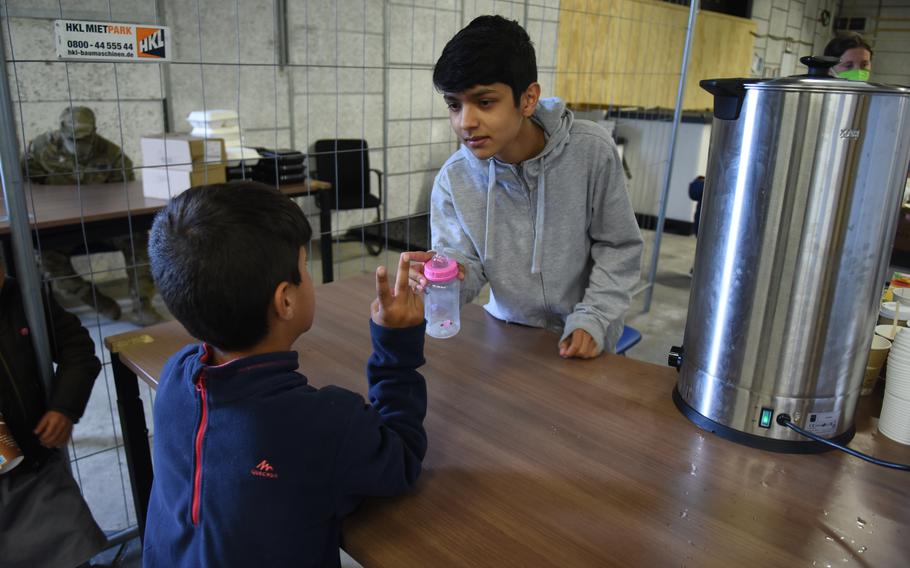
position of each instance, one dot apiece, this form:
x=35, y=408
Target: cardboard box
x=181, y=151
x=165, y=183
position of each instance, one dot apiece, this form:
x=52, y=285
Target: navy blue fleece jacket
x=254, y=467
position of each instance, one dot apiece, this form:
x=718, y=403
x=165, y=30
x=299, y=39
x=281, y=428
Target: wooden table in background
x=536, y=461
x=102, y=211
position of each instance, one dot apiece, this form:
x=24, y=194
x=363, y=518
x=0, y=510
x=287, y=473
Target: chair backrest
x=345, y=163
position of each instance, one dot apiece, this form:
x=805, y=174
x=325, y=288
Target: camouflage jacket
x=49, y=162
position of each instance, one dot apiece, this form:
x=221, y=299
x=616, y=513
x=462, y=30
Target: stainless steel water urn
x=803, y=187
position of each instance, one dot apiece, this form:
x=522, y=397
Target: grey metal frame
x=671, y=152
x=17, y=209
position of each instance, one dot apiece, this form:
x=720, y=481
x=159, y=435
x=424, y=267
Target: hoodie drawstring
x=537, y=254
x=490, y=200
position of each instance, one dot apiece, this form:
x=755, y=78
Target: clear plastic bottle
x=442, y=303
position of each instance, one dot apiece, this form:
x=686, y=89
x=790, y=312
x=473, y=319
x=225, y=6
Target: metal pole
x=386, y=112
x=671, y=151
x=165, y=68
x=281, y=16
x=17, y=209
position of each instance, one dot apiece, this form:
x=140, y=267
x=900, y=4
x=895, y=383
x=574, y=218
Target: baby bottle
x=443, y=298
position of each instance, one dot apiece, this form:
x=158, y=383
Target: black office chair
x=345, y=164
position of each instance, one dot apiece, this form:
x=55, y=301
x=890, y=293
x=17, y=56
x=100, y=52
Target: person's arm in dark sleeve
x=77, y=366
x=385, y=443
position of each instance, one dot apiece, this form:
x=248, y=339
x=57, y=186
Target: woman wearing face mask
x=855, y=57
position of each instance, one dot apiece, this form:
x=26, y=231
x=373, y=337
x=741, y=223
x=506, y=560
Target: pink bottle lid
x=440, y=269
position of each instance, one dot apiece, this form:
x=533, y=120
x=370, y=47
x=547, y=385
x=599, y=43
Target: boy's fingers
x=404, y=267
x=420, y=256
x=382, y=286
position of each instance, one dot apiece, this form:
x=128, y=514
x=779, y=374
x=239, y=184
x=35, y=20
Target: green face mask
x=855, y=74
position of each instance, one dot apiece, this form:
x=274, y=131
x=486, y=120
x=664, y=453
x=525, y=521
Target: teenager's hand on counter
x=579, y=345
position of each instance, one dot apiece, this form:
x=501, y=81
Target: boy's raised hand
x=401, y=307
x=416, y=279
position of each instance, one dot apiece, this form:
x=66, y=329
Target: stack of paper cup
x=895, y=417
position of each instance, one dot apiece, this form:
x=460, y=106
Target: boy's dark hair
x=839, y=45
x=218, y=252
x=491, y=49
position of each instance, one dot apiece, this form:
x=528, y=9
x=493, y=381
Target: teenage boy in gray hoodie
x=534, y=202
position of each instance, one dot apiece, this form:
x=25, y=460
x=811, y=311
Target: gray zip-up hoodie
x=555, y=236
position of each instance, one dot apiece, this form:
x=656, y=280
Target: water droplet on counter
x=694, y=469
x=825, y=512
x=862, y=549
x=764, y=483
x=829, y=539
x=684, y=513
x=861, y=522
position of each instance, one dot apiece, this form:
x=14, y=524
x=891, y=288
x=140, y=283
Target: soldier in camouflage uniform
x=76, y=153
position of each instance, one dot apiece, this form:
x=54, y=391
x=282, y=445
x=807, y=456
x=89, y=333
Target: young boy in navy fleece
x=254, y=467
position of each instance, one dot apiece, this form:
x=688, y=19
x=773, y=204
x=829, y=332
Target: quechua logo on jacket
x=150, y=42
x=264, y=469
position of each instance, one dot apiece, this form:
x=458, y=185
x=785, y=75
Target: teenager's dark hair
x=491, y=49
x=837, y=46
x=218, y=252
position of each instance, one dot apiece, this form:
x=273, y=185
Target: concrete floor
x=99, y=464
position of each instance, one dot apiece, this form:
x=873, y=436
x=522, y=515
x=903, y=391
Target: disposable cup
x=885, y=330
x=878, y=353
x=10, y=453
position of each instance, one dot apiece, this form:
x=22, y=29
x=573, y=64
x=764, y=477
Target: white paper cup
x=878, y=353
x=886, y=313
x=902, y=295
x=884, y=330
